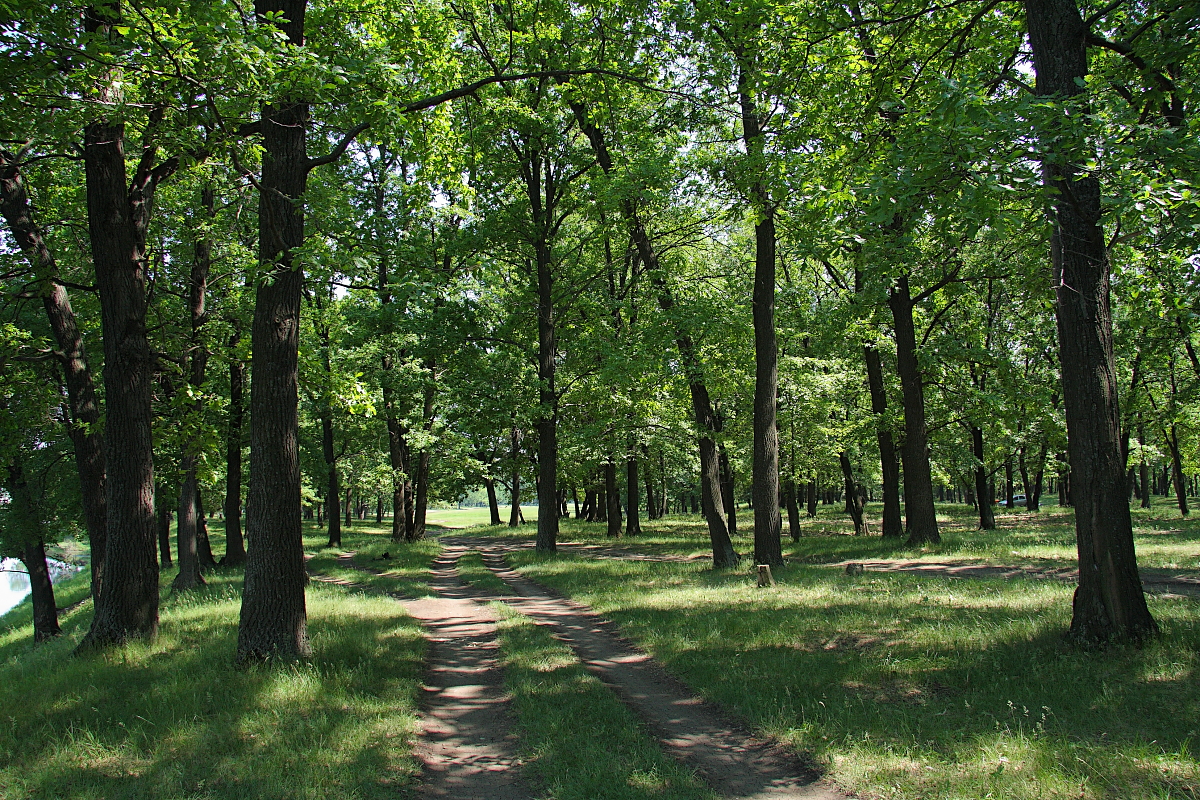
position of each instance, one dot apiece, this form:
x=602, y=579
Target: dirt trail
x=466, y=746
x=725, y=755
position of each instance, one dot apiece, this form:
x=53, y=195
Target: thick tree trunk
x=811, y=504
x=893, y=523
x=41, y=590
x=920, y=517
x=273, y=622
x=235, y=548
x=84, y=424
x=493, y=505
x=203, y=545
x=127, y=606
x=983, y=489
x=633, y=525
x=1109, y=602
x=612, y=499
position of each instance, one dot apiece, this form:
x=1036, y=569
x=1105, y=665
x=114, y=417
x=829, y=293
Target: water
x=14, y=581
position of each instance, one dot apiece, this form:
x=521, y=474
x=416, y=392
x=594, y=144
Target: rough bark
x=421, y=493
x=893, y=523
x=127, y=606
x=920, y=517
x=188, y=576
x=84, y=420
x=273, y=622
x=1109, y=602
x=1179, y=481
x=547, y=424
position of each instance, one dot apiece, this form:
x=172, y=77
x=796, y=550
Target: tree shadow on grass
x=942, y=688
x=174, y=718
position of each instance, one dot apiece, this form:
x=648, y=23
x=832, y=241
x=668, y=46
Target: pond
x=14, y=580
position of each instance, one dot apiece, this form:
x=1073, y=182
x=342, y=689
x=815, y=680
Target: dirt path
x=725, y=755
x=466, y=746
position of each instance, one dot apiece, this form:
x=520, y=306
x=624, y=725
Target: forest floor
x=890, y=683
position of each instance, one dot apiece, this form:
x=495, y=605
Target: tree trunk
x=28, y=519
x=235, y=548
x=348, y=507
x=273, y=623
x=1144, y=467
x=983, y=489
x=333, y=489
x=854, y=501
x=84, y=424
x=793, y=509
x=651, y=501
x=164, y=531
x=127, y=606
x=633, y=525
x=547, y=530
x=1008, y=482
x=421, y=494
x=185, y=535
x=1109, y=602
x=1033, y=501
x=728, y=494
x=712, y=502
x=514, y=517
x=41, y=590
x=493, y=505
x=812, y=499
x=613, y=499
x=1172, y=437
x=920, y=517
x=893, y=524
x=187, y=532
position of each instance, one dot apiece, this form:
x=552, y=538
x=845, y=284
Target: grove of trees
x=339, y=260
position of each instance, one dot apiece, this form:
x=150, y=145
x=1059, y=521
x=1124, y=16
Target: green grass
x=174, y=718
x=471, y=570
x=576, y=738
x=916, y=687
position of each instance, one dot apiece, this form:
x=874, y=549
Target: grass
x=901, y=686
x=174, y=718
x=916, y=687
x=576, y=738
